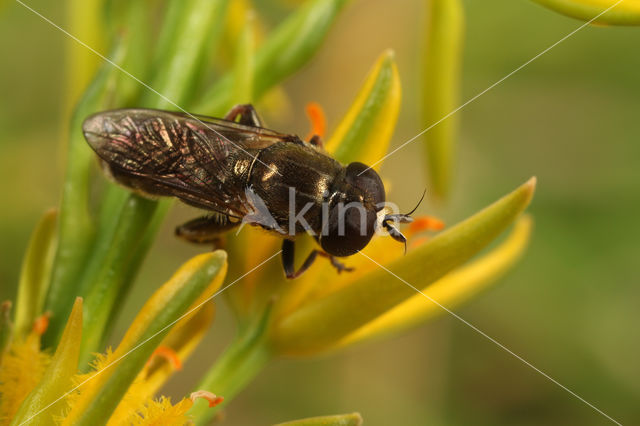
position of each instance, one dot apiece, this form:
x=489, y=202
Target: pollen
x=162, y=412
x=23, y=367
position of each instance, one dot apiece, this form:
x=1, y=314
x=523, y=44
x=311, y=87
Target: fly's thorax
x=294, y=180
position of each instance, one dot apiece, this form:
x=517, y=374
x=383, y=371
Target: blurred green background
x=570, y=307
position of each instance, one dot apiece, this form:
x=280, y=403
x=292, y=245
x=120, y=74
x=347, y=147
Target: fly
x=241, y=172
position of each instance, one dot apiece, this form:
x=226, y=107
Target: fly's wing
x=161, y=153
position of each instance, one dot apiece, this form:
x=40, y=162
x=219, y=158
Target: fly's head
x=353, y=211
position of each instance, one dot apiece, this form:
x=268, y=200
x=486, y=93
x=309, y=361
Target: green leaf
x=35, y=273
x=242, y=92
x=197, y=280
x=624, y=13
x=135, y=20
x=107, y=273
x=76, y=228
x=321, y=323
x=287, y=49
x=442, y=67
x=185, y=46
x=353, y=419
x=84, y=21
x=44, y=400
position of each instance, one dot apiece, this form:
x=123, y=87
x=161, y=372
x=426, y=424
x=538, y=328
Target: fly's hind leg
x=206, y=229
x=246, y=113
x=288, y=260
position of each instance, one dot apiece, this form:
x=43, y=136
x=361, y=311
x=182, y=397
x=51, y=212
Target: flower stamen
x=425, y=223
x=41, y=323
x=212, y=398
x=318, y=120
x=169, y=355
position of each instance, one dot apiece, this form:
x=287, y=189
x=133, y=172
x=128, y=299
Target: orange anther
x=212, y=398
x=426, y=223
x=169, y=354
x=317, y=119
x=41, y=323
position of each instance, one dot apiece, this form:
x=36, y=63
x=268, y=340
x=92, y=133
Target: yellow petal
x=42, y=404
x=626, y=12
x=183, y=339
x=157, y=303
x=451, y=290
x=321, y=279
x=321, y=323
x=365, y=131
x=248, y=249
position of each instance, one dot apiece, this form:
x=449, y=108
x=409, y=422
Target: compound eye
x=367, y=180
x=349, y=229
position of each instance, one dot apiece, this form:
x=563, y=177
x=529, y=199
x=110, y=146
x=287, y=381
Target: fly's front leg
x=288, y=260
x=247, y=113
x=206, y=229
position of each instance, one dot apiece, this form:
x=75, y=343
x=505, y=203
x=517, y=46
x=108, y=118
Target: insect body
x=241, y=172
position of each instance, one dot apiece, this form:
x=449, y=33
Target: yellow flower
x=45, y=389
x=21, y=369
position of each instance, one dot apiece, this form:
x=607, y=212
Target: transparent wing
x=174, y=154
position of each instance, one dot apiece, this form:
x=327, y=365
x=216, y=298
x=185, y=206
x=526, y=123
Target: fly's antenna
x=400, y=218
x=417, y=205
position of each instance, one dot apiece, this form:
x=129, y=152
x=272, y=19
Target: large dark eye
x=349, y=229
x=368, y=181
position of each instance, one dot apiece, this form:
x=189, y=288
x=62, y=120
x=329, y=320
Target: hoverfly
x=241, y=172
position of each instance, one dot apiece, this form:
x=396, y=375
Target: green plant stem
x=287, y=49
x=235, y=368
x=442, y=67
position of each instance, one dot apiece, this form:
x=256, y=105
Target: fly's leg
x=206, y=229
x=288, y=257
x=247, y=114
